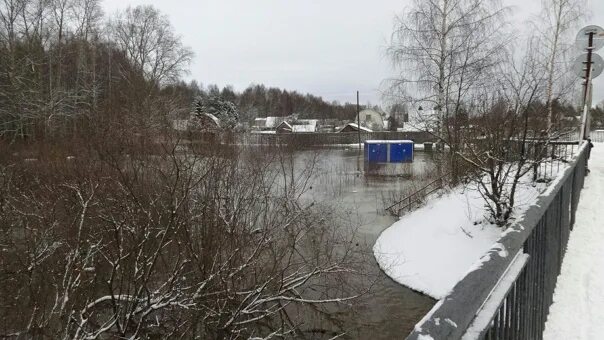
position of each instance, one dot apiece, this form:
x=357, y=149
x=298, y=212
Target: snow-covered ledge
x=432, y=248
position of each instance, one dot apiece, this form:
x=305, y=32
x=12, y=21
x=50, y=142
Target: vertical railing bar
x=523, y=302
x=517, y=310
x=513, y=313
x=542, y=281
x=532, y=282
x=500, y=323
x=536, y=282
x=539, y=276
x=490, y=333
x=496, y=325
x=508, y=313
x=527, y=285
x=538, y=268
x=541, y=290
x=520, y=299
x=504, y=323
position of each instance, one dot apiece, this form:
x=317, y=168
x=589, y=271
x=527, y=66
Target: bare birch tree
x=444, y=50
x=505, y=143
x=147, y=38
x=558, y=19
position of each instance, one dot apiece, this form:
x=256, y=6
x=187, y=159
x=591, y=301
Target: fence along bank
x=304, y=139
x=508, y=294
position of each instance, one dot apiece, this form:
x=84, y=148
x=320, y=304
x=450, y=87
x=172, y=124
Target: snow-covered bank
x=431, y=249
x=578, y=308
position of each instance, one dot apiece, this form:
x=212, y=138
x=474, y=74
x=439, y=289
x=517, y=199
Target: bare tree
x=148, y=39
x=21, y=85
x=444, y=51
x=558, y=18
x=216, y=244
x=87, y=15
x=504, y=143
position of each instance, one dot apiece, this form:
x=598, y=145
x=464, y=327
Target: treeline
x=262, y=101
x=64, y=67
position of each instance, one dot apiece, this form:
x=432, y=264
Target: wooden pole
x=358, y=119
x=586, y=96
x=359, y=134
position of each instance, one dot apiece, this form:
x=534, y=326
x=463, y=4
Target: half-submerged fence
x=508, y=294
x=417, y=197
x=304, y=139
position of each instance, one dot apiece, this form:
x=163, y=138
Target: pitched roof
x=356, y=127
x=284, y=125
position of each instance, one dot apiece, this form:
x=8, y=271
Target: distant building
x=387, y=123
x=371, y=119
x=353, y=127
x=326, y=128
x=410, y=128
x=305, y=125
x=267, y=123
x=284, y=127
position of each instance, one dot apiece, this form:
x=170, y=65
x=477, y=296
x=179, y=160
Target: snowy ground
x=578, y=308
x=431, y=249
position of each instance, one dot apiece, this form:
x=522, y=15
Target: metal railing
x=597, y=136
x=417, y=196
x=507, y=295
x=554, y=154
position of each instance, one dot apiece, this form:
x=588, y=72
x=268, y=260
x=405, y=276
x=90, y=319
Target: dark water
x=390, y=310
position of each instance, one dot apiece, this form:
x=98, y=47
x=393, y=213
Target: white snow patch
x=501, y=251
x=418, y=326
x=434, y=247
x=450, y=322
x=577, y=311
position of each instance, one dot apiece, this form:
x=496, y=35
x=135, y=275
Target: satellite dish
x=582, y=40
x=580, y=64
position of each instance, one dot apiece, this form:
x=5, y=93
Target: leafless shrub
x=164, y=243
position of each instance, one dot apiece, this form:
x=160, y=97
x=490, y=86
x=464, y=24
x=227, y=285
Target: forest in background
x=65, y=67
x=258, y=101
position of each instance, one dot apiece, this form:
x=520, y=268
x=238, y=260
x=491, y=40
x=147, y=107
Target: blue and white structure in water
x=388, y=157
x=388, y=151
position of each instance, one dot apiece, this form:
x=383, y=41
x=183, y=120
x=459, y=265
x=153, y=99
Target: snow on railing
x=507, y=294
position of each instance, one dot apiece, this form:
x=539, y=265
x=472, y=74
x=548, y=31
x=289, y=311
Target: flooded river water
x=390, y=310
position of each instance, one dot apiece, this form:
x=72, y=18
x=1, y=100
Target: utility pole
x=589, y=66
x=359, y=134
x=358, y=120
x=587, y=93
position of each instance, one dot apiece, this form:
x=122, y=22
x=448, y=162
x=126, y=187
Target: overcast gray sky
x=329, y=48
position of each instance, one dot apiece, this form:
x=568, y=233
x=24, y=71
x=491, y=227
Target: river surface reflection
x=390, y=310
